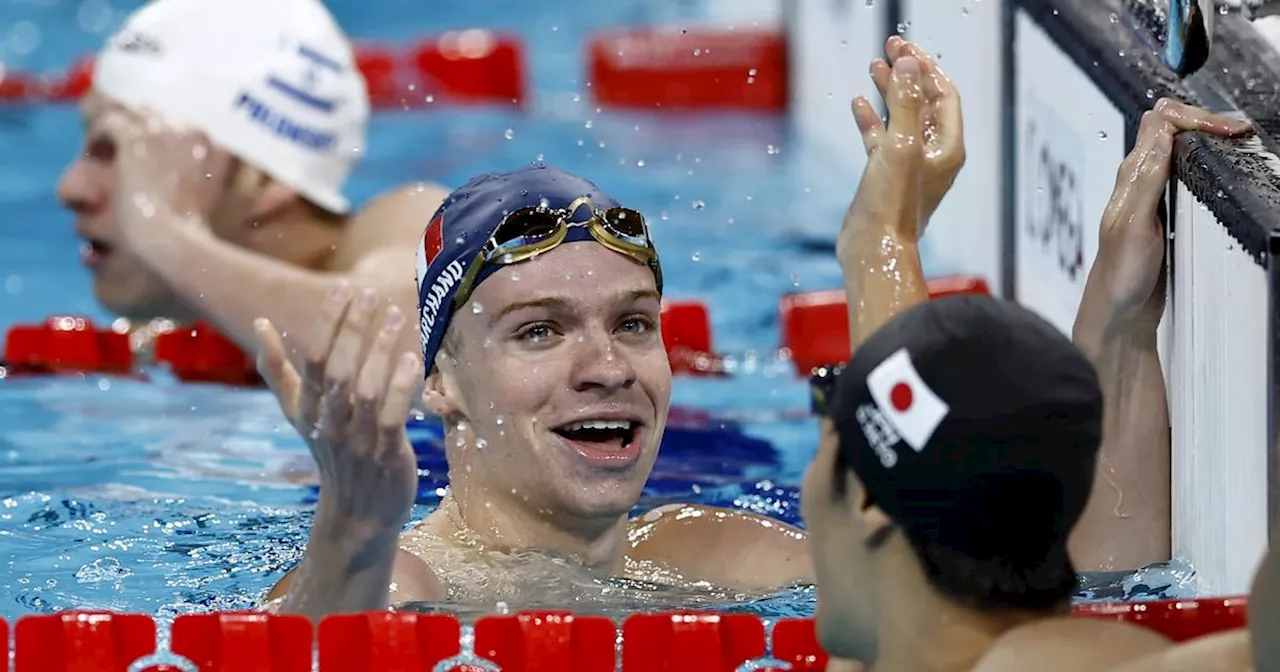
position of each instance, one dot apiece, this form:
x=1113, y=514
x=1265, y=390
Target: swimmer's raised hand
x=941, y=116
x=165, y=176
x=890, y=197
x=1126, y=282
x=350, y=403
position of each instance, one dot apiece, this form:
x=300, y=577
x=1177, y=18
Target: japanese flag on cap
x=905, y=400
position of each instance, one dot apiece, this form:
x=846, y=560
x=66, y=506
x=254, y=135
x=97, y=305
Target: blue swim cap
x=465, y=222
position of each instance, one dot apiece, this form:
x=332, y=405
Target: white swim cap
x=274, y=82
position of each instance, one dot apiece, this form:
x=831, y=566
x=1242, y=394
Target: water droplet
x=499, y=420
x=476, y=308
x=481, y=444
x=1102, y=135
x=509, y=134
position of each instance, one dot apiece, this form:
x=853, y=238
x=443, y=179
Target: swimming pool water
x=169, y=498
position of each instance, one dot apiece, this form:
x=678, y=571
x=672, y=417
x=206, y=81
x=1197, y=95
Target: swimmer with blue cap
x=540, y=299
x=210, y=185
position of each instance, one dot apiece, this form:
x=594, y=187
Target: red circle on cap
x=901, y=396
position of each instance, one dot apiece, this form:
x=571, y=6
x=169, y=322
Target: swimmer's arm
x=231, y=287
x=1127, y=521
x=325, y=587
x=882, y=275
x=730, y=548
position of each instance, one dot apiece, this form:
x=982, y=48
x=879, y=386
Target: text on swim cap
x=284, y=127
x=435, y=296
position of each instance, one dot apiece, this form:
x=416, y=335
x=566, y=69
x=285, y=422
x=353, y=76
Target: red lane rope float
x=66, y=344
x=199, y=354
x=462, y=67
x=677, y=70
x=528, y=641
x=815, y=325
x=1179, y=620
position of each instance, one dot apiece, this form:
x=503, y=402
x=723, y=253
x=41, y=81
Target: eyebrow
x=562, y=304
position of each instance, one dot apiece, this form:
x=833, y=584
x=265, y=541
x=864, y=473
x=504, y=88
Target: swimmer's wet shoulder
x=728, y=548
x=1070, y=644
x=385, y=233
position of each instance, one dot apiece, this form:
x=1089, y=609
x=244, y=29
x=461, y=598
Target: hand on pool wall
x=350, y=403
x=1127, y=521
x=943, y=119
x=165, y=177
x=1127, y=276
x=877, y=244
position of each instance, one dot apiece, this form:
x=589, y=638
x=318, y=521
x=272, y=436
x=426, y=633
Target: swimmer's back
x=1070, y=644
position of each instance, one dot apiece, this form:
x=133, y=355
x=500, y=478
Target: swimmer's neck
x=920, y=630
x=497, y=522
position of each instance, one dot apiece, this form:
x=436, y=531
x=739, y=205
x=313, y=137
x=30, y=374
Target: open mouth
x=92, y=250
x=601, y=434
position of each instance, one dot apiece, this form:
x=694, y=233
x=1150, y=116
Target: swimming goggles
x=822, y=387
x=528, y=232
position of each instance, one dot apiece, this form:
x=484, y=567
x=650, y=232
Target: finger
x=869, y=124
x=881, y=76
x=905, y=101
x=933, y=80
x=893, y=47
x=316, y=358
x=274, y=367
x=399, y=399
x=372, y=382
x=344, y=361
x=1185, y=117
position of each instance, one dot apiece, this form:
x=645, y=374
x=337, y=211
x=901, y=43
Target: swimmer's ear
x=440, y=394
x=873, y=522
x=271, y=201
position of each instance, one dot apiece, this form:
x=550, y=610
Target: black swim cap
x=975, y=425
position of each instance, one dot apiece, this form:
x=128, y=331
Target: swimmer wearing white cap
x=219, y=136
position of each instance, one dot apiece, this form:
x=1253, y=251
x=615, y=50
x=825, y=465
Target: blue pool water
x=168, y=498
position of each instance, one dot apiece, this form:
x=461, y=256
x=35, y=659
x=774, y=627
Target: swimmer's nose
x=75, y=189
x=599, y=365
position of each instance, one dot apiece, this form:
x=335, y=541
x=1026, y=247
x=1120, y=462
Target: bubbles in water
x=13, y=284
x=511, y=133
x=640, y=163
x=94, y=16
x=499, y=420
x=476, y=308
x=24, y=37
x=1102, y=135
x=588, y=124
x=697, y=256
x=903, y=26
x=481, y=444
x=699, y=205
x=773, y=149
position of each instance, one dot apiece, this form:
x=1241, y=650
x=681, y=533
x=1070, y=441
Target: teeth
x=599, y=424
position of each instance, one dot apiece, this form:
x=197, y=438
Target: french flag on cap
x=910, y=406
x=432, y=244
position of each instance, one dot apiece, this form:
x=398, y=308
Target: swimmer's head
x=958, y=451
x=274, y=84
x=539, y=306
